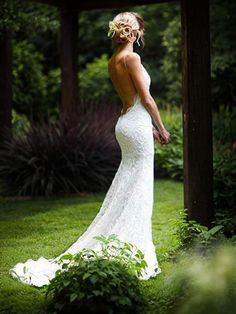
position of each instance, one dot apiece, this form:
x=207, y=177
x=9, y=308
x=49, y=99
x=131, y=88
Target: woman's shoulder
x=132, y=58
x=133, y=55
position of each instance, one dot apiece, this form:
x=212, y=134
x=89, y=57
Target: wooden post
x=197, y=111
x=68, y=59
x=5, y=81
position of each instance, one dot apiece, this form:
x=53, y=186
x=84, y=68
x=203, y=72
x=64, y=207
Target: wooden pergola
x=197, y=111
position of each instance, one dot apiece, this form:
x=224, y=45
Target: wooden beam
x=94, y=4
x=69, y=60
x=197, y=111
x=90, y=5
x=5, y=81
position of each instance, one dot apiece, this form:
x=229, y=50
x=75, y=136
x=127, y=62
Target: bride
x=127, y=207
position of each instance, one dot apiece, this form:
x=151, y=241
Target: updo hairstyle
x=123, y=25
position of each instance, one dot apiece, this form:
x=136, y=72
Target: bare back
x=121, y=79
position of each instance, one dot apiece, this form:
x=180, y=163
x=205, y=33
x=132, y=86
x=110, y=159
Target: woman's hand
x=161, y=137
x=165, y=135
x=133, y=37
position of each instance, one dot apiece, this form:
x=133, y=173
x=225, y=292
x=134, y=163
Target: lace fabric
x=127, y=207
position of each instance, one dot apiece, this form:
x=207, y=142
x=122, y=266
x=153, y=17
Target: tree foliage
x=37, y=25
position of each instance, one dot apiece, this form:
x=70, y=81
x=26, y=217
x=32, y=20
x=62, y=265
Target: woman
x=126, y=70
x=127, y=207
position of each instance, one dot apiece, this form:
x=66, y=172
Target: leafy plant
x=95, y=85
x=187, y=229
x=16, y=14
x=103, y=281
x=228, y=220
x=20, y=123
x=224, y=126
x=171, y=61
x=225, y=177
x=223, y=53
x=200, y=285
x=193, y=234
x=29, y=80
x=169, y=158
x=224, y=165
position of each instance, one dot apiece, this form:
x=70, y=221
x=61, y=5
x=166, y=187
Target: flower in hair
x=112, y=29
x=123, y=29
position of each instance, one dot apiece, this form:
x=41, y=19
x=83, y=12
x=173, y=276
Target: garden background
x=57, y=171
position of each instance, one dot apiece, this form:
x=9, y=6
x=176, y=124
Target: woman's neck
x=125, y=47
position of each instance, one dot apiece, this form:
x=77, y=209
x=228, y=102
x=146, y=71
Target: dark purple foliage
x=78, y=153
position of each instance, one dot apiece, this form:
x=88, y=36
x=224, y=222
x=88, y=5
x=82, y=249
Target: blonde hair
x=123, y=25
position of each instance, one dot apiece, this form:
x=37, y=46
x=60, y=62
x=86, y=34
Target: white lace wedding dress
x=127, y=206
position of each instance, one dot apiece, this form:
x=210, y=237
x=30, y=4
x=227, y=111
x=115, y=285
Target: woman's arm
x=134, y=67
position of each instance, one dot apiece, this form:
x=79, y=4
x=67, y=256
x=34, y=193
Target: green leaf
x=215, y=229
x=97, y=292
x=73, y=297
x=86, y=275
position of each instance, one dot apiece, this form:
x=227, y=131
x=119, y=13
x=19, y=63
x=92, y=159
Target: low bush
x=224, y=125
x=78, y=153
x=103, y=281
x=204, y=285
x=169, y=158
x=199, y=283
x=225, y=187
x=225, y=176
x=224, y=164
x=169, y=161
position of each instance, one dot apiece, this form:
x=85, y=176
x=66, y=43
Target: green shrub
x=95, y=84
x=171, y=61
x=102, y=281
x=200, y=284
x=224, y=126
x=224, y=165
x=29, y=81
x=53, y=91
x=192, y=234
x=20, y=123
x=225, y=187
x=225, y=177
x=169, y=161
x=224, y=135
x=169, y=158
x=209, y=284
x=227, y=219
x=187, y=230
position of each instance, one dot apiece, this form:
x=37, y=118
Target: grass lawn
x=47, y=227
